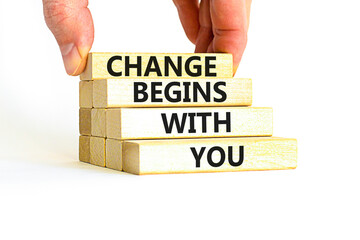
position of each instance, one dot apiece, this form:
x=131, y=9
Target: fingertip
x=72, y=25
x=203, y=40
x=235, y=68
x=188, y=11
x=74, y=58
x=210, y=49
x=192, y=37
x=191, y=27
x=80, y=68
x=233, y=42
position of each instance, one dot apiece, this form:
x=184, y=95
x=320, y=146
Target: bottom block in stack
x=101, y=152
x=209, y=155
x=84, y=149
x=114, y=154
x=190, y=155
x=92, y=150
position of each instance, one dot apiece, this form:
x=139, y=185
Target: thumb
x=71, y=23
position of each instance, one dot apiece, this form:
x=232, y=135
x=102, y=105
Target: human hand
x=216, y=26
x=72, y=25
x=213, y=26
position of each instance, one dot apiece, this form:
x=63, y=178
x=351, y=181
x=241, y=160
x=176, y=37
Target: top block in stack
x=159, y=65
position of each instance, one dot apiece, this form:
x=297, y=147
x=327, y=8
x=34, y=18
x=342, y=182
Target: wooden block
x=157, y=65
x=85, y=121
x=84, y=149
x=154, y=123
x=98, y=122
x=110, y=93
x=114, y=154
x=86, y=94
x=97, y=151
x=209, y=155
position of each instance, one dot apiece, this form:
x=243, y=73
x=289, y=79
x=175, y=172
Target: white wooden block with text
x=110, y=93
x=157, y=65
x=154, y=123
x=209, y=155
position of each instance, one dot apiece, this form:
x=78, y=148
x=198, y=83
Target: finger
x=211, y=47
x=248, y=8
x=205, y=34
x=71, y=23
x=230, y=25
x=189, y=16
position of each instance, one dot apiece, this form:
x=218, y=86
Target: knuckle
x=239, y=34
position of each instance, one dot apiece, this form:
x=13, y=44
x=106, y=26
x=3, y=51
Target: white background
x=303, y=57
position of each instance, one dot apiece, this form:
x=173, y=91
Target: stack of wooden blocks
x=174, y=113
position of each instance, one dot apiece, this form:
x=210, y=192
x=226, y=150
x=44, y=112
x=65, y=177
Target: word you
x=216, y=156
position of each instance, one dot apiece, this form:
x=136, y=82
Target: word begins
x=180, y=126
x=218, y=151
x=176, y=92
x=152, y=66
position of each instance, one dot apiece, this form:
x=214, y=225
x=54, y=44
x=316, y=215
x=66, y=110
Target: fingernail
x=71, y=57
x=235, y=68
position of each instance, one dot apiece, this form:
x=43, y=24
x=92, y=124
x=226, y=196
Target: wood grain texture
x=97, y=62
x=148, y=123
x=110, y=93
x=86, y=94
x=175, y=156
x=98, y=122
x=114, y=154
x=85, y=121
x=84, y=149
x=97, y=151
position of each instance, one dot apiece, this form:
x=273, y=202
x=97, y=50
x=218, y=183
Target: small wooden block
x=209, y=155
x=85, y=121
x=157, y=65
x=98, y=122
x=86, y=94
x=157, y=123
x=97, y=151
x=84, y=149
x=110, y=93
x=114, y=154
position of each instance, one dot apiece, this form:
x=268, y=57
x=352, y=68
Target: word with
x=174, y=92
x=180, y=127
x=152, y=66
x=220, y=151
